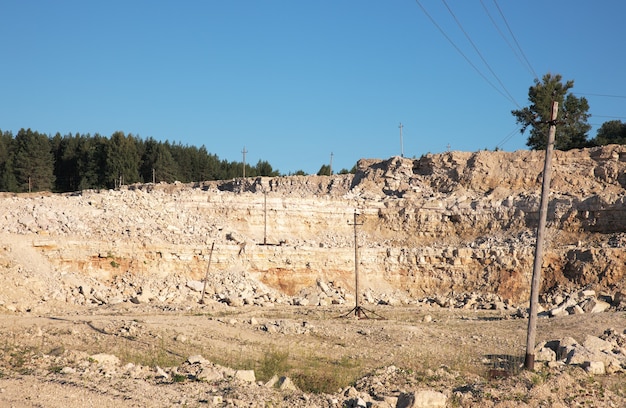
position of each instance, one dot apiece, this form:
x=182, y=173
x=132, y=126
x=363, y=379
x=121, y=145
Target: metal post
x=401, y=142
x=206, y=276
x=265, y=216
x=529, y=361
x=357, y=306
x=244, y=151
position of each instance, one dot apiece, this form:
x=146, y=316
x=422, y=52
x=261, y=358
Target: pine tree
x=33, y=162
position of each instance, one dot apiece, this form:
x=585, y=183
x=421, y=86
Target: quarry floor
x=330, y=345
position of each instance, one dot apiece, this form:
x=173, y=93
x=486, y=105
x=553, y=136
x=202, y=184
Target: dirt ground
x=331, y=356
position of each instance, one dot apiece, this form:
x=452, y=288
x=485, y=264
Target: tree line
x=33, y=161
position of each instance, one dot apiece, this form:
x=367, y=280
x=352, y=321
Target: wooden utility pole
x=153, y=176
x=401, y=142
x=244, y=151
x=529, y=361
x=206, y=276
x=331, y=164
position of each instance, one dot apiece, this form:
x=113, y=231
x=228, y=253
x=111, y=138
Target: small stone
x=245, y=375
x=160, y=373
x=594, y=367
x=68, y=370
x=197, y=359
x=422, y=399
x=106, y=359
x=285, y=383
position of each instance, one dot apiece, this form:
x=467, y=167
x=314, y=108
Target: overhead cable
x=515, y=39
x=597, y=94
x=517, y=55
x=480, y=54
x=507, y=138
x=461, y=52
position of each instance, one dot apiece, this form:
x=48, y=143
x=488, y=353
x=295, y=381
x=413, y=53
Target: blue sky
x=294, y=81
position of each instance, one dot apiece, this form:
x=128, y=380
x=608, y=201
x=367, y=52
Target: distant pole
x=206, y=276
x=401, y=142
x=357, y=306
x=331, y=164
x=265, y=216
x=529, y=361
x=356, y=270
x=153, y=176
x=244, y=151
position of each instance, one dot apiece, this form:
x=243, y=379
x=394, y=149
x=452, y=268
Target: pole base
x=529, y=362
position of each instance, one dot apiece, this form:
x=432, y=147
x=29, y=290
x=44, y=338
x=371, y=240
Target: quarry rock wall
x=450, y=222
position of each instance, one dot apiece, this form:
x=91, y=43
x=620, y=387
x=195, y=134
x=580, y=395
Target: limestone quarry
x=452, y=231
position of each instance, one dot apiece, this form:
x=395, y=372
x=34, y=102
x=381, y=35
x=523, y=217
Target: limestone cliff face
x=449, y=222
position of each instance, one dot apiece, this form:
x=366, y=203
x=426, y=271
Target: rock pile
x=597, y=355
x=560, y=303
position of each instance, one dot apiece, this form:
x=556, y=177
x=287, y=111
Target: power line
x=597, y=94
x=515, y=39
x=480, y=54
x=507, y=138
x=611, y=117
x=459, y=50
x=517, y=55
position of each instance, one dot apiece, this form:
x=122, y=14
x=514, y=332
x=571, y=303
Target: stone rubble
x=597, y=355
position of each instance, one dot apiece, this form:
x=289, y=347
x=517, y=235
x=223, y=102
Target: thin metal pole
x=529, y=361
x=244, y=151
x=357, y=307
x=265, y=216
x=206, y=276
x=401, y=142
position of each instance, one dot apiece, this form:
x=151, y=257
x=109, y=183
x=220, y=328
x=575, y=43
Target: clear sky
x=294, y=80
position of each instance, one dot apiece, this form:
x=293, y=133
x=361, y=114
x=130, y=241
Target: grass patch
x=161, y=353
x=273, y=363
x=322, y=376
x=177, y=378
x=55, y=369
x=309, y=372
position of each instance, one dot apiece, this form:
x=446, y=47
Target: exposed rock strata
x=448, y=223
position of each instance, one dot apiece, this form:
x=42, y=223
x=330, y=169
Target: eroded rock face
x=452, y=222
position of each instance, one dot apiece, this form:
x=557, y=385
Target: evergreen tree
x=611, y=132
x=572, y=128
x=7, y=176
x=324, y=170
x=122, y=160
x=264, y=168
x=33, y=162
x=157, y=158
